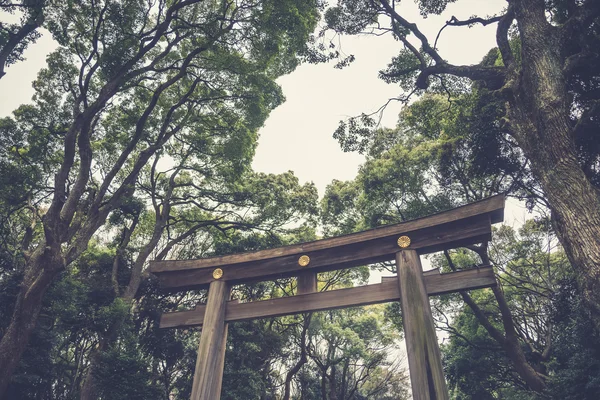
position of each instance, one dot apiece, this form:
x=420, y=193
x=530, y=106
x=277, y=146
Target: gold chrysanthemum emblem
x=217, y=273
x=303, y=261
x=403, y=241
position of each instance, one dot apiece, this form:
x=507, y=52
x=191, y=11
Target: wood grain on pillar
x=307, y=282
x=424, y=358
x=208, y=375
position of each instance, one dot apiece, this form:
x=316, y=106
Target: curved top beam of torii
x=465, y=225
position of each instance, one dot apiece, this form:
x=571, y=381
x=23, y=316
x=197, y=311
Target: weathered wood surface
x=424, y=358
x=386, y=291
x=307, y=282
x=208, y=374
x=449, y=235
x=435, y=271
x=492, y=207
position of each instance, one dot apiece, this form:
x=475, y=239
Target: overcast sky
x=298, y=135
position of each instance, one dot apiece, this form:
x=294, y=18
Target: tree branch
x=502, y=36
x=493, y=76
x=414, y=29
x=16, y=39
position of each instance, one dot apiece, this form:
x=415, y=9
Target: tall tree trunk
x=333, y=383
x=539, y=113
x=303, y=359
x=45, y=264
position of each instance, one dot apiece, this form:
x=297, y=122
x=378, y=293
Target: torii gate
x=462, y=226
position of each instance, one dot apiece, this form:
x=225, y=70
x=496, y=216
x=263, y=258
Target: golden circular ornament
x=403, y=241
x=217, y=273
x=303, y=261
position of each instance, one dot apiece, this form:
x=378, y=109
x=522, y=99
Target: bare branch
x=502, y=37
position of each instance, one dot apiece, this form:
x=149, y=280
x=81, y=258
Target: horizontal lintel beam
x=463, y=232
x=383, y=292
x=448, y=229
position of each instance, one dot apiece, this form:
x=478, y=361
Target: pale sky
x=298, y=135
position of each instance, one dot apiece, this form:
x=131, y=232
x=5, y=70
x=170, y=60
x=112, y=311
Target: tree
x=556, y=336
x=512, y=330
x=546, y=73
x=576, y=362
x=14, y=38
x=171, y=73
x=430, y=163
x=351, y=350
x=183, y=210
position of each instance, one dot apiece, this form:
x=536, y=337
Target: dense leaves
x=544, y=77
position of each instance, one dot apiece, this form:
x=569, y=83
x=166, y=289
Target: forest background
x=138, y=143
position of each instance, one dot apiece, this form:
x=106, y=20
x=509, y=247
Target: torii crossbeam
x=404, y=242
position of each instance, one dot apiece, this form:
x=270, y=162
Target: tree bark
x=539, y=111
x=46, y=264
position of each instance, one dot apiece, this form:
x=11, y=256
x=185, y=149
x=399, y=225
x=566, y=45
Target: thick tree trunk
x=539, y=112
x=88, y=388
x=45, y=264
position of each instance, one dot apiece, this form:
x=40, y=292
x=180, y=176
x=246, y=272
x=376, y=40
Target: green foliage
x=16, y=37
x=167, y=99
x=76, y=309
x=433, y=6
x=576, y=362
x=477, y=369
x=441, y=154
x=544, y=304
x=350, y=17
x=115, y=377
x=356, y=353
x=446, y=152
x=251, y=349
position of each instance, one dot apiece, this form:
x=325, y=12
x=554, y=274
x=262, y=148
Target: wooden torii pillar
x=404, y=242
